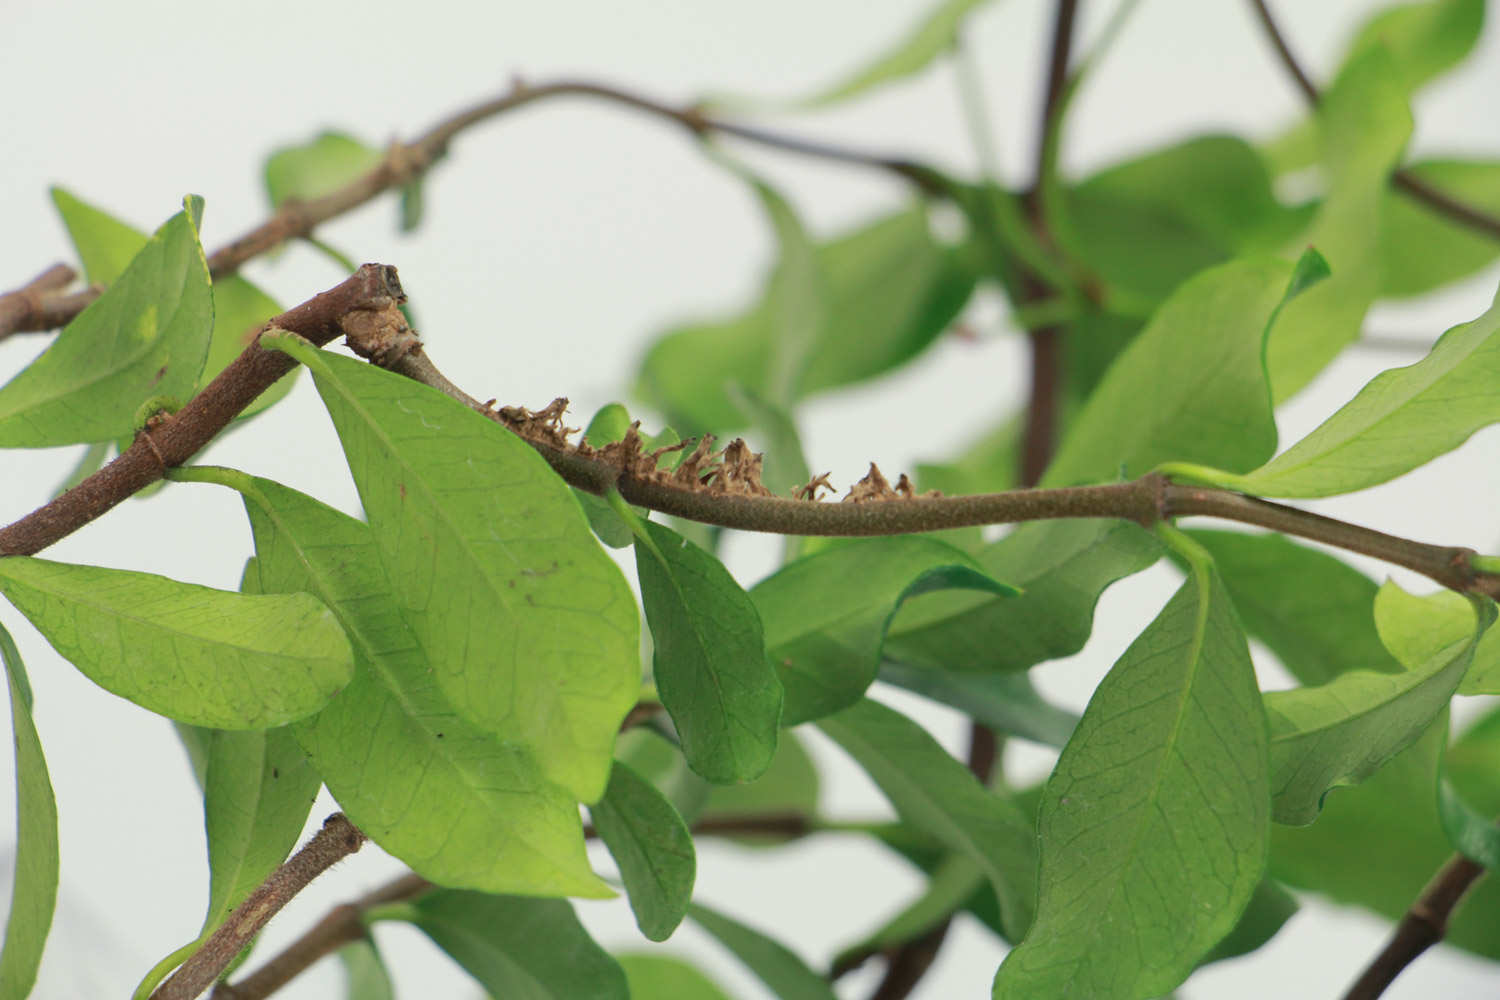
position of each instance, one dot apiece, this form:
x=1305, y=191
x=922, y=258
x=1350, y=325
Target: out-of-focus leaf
x=1061, y=567
x=1158, y=804
x=146, y=336
x=461, y=806
x=1313, y=610
x=710, y=658
x=826, y=615
x=660, y=761
x=653, y=848
x=777, y=966
x=888, y=290
x=519, y=947
x=1364, y=122
x=1422, y=250
x=207, y=657
x=1402, y=419
x=365, y=976
x=1006, y=702
x=948, y=888
x=105, y=245
x=662, y=977
x=1342, y=732
x=789, y=786
x=785, y=467
x=33, y=893
x=936, y=794
x=318, y=167
x=530, y=627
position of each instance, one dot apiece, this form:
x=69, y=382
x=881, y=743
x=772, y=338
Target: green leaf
x=1150, y=223
x=105, y=245
x=661, y=977
x=947, y=890
x=1266, y=913
x=1472, y=834
x=316, y=168
x=1365, y=123
x=1061, y=567
x=1189, y=396
x=826, y=615
x=34, y=888
x=518, y=947
x=608, y=425
x=1422, y=250
x=258, y=788
x=778, y=967
x=1006, y=702
x=928, y=39
x=207, y=657
x=530, y=627
x=1402, y=419
x=1180, y=833
x=785, y=466
x=710, y=658
x=1311, y=609
x=653, y=848
x=365, y=976
x=460, y=806
x=888, y=290
x=789, y=786
x=659, y=759
x=936, y=794
x=1424, y=40
x=147, y=335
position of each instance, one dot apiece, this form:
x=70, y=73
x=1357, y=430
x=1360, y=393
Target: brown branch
x=1402, y=180
x=172, y=440
x=337, y=840
x=21, y=311
x=30, y=303
x=1423, y=926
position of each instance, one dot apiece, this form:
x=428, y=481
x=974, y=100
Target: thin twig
x=175, y=439
x=1402, y=179
x=31, y=299
x=404, y=162
x=1423, y=926
x=337, y=840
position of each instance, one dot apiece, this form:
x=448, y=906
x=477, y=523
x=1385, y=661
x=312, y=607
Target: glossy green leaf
x=661, y=977
x=787, y=976
x=652, y=847
x=1422, y=250
x=34, y=887
x=147, y=335
x=826, y=615
x=258, y=788
x=1402, y=419
x=1006, y=702
x=518, y=947
x=1157, y=805
x=1061, y=567
x=936, y=794
x=317, y=167
x=888, y=290
x=1267, y=912
x=460, y=806
x=207, y=657
x=710, y=659
x=1342, y=732
x=1150, y=223
x=1313, y=610
x=1189, y=396
x=1364, y=123
x=530, y=627
x=948, y=888
x=365, y=975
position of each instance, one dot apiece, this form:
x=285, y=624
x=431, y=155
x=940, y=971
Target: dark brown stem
x=1402, y=179
x=1423, y=926
x=337, y=840
x=30, y=300
x=21, y=312
x=374, y=288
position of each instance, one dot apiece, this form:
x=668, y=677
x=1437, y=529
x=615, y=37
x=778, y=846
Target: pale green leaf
x=316, y=168
x=460, y=806
x=1422, y=249
x=660, y=977
x=710, y=662
x=826, y=615
x=105, y=245
x=652, y=847
x=1342, y=732
x=146, y=336
x=787, y=976
x=1424, y=40
x=365, y=976
x=202, y=656
x=1154, y=824
x=518, y=947
x=532, y=632
x=936, y=794
x=34, y=888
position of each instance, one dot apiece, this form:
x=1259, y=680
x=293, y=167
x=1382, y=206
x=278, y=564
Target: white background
x=557, y=241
